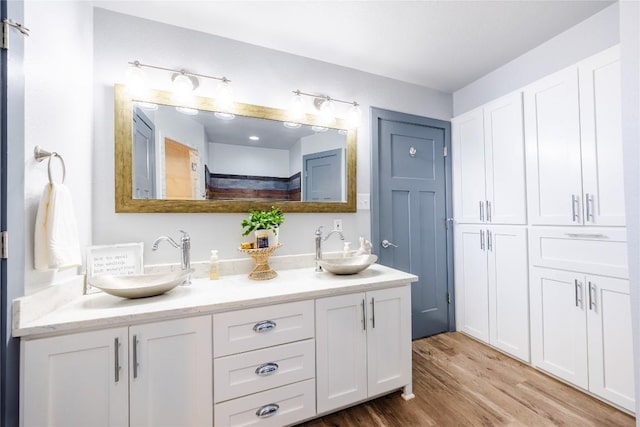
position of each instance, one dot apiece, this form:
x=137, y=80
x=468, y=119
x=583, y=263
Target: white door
x=74, y=380
x=508, y=290
x=171, y=380
x=467, y=148
x=504, y=159
x=341, y=345
x=552, y=138
x=472, y=294
x=601, y=131
x=388, y=339
x=610, y=340
x=559, y=324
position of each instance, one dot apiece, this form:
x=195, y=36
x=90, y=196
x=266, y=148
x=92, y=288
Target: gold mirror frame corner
x=125, y=203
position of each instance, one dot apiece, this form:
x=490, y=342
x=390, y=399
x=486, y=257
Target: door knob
x=385, y=244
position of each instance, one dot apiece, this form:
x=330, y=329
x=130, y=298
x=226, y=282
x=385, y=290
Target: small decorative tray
x=262, y=270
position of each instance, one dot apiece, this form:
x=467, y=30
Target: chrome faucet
x=319, y=241
x=185, y=250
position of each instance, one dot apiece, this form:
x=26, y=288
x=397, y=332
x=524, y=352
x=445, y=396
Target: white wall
x=245, y=160
x=58, y=115
x=591, y=36
x=630, y=68
x=260, y=76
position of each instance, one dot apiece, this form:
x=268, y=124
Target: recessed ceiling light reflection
x=254, y=138
x=187, y=111
x=319, y=128
x=291, y=125
x=224, y=116
x=343, y=131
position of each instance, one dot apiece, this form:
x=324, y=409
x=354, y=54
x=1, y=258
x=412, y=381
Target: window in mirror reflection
x=196, y=155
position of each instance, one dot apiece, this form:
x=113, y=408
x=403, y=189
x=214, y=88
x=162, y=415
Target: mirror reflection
x=188, y=154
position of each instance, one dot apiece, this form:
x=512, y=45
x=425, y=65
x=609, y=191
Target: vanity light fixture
x=188, y=111
x=224, y=116
x=149, y=106
x=326, y=107
x=291, y=125
x=319, y=128
x=184, y=83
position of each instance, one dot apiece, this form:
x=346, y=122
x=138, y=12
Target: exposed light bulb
x=224, y=99
x=355, y=115
x=136, y=80
x=327, y=112
x=296, y=111
x=182, y=87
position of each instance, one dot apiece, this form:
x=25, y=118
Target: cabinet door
x=469, y=196
x=388, y=340
x=471, y=281
x=504, y=160
x=610, y=340
x=552, y=138
x=559, y=324
x=601, y=132
x=74, y=380
x=341, y=345
x=509, y=290
x=171, y=373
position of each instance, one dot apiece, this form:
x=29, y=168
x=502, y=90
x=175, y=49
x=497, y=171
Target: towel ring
x=41, y=154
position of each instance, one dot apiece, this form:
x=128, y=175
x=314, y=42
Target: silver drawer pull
x=267, y=410
x=267, y=369
x=587, y=235
x=264, y=326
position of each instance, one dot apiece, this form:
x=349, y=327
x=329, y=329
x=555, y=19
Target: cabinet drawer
x=254, y=328
x=238, y=375
x=287, y=405
x=589, y=250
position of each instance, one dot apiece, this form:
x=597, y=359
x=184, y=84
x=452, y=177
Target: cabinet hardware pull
x=373, y=313
x=264, y=326
x=267, y=410
x=590, y=207
x=587, y=235
x=482, y=240
x=135, y=356
x=575, y=205
x=578, y=287
x=488, y=211
x=481, y=211
x=489, y=241
x=364, y=316
x=267, y=369
x=575, y=287
x=116, y=353
x=592, y=299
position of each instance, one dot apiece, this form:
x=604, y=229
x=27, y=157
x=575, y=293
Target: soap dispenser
x=214, y=266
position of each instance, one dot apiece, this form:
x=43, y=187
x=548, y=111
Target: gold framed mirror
x=195, y=157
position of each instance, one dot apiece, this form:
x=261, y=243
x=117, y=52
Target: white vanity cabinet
x=363, y=346
x=489, y=164
x=581, y=331
x=574, y=146
x=146, y=375
x=491, y=280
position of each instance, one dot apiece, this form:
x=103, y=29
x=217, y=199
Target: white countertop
x=203, y=296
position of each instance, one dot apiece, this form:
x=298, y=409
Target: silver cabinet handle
x=489, y=241
x=364, y=316
x=373, y=313
x=488, y=211
x=135, y=356
x=578, y=289
x=116, y=354
x=575, y=207
x=481, y=211
x=264, y=326
x=592, y=299
x=482, y=240
x=385, y=244
x=267, y=410
x=267, y=369
x=588, y=200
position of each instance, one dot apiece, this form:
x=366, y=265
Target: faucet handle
x=319, y=230
x=185, y=235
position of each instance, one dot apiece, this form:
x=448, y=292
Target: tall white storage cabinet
x=574, y=146
x=491, y=284
x=488, y=158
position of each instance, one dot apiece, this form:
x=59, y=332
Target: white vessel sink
x=139, y=285
x=350, y=265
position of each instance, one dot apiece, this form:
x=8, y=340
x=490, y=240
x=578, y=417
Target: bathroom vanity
x=227, y=352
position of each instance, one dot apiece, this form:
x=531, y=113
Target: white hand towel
x=56, y=243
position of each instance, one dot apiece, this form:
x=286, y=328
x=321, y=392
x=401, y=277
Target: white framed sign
x=118, y=260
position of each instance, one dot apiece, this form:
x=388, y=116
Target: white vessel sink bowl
x=350, y=265
x=139, y=285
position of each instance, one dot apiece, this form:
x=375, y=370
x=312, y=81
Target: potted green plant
x=263, y=222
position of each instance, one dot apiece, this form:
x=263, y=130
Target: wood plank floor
x=461, y=382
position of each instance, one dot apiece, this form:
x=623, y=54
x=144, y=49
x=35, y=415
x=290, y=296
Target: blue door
x=323, y=176
x=411, y=201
